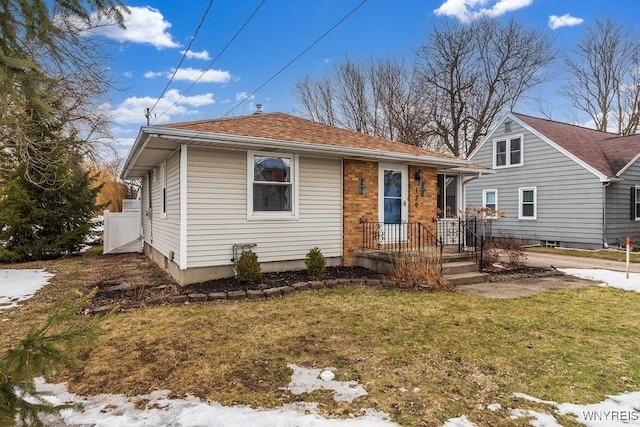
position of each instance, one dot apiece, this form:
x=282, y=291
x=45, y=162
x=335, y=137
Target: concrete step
x=455, y=257
x=462, y=279
x=458, y=267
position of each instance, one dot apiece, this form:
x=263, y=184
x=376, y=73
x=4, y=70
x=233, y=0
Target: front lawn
x=422, y=357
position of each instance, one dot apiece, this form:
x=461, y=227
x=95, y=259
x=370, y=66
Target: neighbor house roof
x=277, y=131
x=607, y=153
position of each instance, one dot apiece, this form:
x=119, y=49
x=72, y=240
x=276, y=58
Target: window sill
x=517, y=165
x=528, y=218
x=163, y=216
x=272, y=217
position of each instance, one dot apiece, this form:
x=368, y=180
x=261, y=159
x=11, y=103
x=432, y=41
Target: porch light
x=418, y=175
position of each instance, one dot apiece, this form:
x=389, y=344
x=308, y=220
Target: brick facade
x=356, y=205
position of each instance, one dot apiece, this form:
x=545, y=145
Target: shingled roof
x=606, y=152
x=285, y=127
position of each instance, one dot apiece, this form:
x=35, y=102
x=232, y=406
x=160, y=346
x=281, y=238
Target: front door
x=393, y=214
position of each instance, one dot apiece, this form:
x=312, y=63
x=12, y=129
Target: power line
x=184, y=55
x=214, y=59
x=344, y=18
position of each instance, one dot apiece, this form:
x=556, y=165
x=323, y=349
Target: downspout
x=464, y=190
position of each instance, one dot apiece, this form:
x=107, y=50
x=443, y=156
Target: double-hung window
x=272, y=186
x=635, y=203
x=507, y=152
x=528, y=203
x=490, y=201
x=163, y=190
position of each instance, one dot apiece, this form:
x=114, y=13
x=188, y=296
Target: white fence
x=121, y=232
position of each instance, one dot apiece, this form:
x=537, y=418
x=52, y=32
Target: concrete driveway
x=530, y=286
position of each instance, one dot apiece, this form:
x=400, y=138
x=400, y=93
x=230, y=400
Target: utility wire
x=214, y=59
x=184, y=55
x=344, y=18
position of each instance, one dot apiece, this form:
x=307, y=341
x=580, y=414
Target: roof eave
x=255, y=143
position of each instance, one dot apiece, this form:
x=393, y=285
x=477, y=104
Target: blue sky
x=158, y=32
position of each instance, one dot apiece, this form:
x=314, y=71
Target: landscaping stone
x=316, y=284
x=155, y=301
x=344, y=282
x=301, y=286
x=389, y=284
x=104, y=309
x=197, y=297
x=284, y=290
x=272, y=292
x=332, y=283
x=218, y=296
x=373, y=282
x=255, y=294
x=236, y=295
x=131, y=305
x=177, y=299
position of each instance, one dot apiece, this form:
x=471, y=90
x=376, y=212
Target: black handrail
x=469, y=238
x=398, y=237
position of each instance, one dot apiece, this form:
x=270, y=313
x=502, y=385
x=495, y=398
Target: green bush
x=248, y=268
x=315, y=262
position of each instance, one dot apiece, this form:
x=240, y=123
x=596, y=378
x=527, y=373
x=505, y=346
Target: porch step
x=459, y=267
x=471, y=278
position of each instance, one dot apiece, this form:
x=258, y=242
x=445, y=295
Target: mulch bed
x=132, y=280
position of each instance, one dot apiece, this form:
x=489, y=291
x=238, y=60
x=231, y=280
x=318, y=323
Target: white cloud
x=206, y=76
x=204, y=55
x=244, y=95
x=127, y=74
x=565, y=20
x=469, y=10
x=153, y=74
x=144, y=25
x=132, y=110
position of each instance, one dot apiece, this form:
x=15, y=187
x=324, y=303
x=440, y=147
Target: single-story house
x=280, y=185
x=559, y=184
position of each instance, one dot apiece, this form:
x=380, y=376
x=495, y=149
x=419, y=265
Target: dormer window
x=507, y=152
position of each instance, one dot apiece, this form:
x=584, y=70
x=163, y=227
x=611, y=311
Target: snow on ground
x=615, y=411
x=156, y=409
x=614, y=279
x=306, y=380
x=19, y=285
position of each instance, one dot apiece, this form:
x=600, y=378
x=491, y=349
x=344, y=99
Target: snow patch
x=462, y=421
x=113, y=410
x=306, y=380
x=19, y=285
x=610, y=278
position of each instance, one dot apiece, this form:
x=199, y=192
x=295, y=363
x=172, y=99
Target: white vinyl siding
x=162, y=230
x=217, y=207
x=569, y=197
x=622, y=212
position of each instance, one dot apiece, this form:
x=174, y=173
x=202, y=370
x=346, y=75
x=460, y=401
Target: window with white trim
x=507, y=152
x=635, y=203
x=490, y=200
x=163, y=189
x=271, y=185
x=527, y=203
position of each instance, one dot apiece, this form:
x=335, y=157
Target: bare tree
x=605, y=83
x=379, y=97
x=470, y=74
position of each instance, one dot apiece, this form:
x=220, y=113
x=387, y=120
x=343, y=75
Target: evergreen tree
x=45, y=205
x=43, y=352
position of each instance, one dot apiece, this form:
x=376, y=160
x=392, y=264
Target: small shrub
x=248, y=268
x=514, y=251
x=421, y=270
x=490, y=255
x=315, y=262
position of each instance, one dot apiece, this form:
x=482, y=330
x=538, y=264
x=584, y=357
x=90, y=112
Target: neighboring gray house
x=559, y=184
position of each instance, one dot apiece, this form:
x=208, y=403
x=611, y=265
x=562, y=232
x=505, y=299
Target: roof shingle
x=606, y=152
x=285, y=127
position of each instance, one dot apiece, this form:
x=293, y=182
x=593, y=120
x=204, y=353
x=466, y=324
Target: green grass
x=460, y=350
x=601, y=254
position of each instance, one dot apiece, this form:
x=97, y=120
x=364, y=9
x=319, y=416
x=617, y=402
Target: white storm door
x=392, y=203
